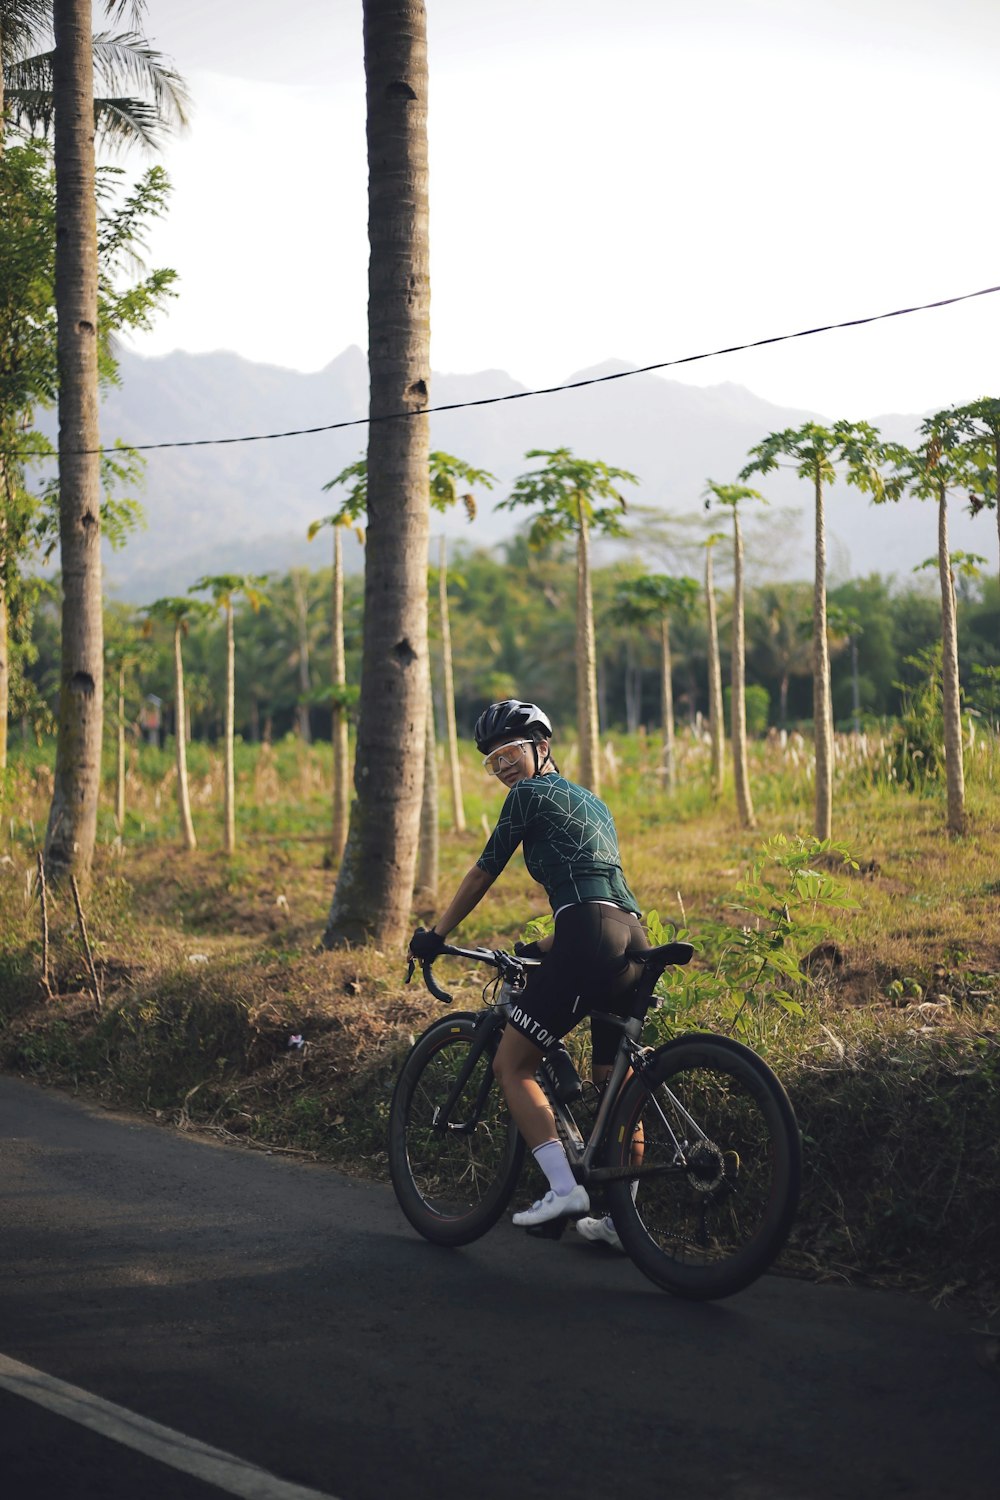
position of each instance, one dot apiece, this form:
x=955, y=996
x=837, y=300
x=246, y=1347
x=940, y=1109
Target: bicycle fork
x=484, y=1044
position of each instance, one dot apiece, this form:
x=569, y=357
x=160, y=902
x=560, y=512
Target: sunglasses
x=504, y=756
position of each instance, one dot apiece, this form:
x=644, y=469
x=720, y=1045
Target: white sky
x=628, y=179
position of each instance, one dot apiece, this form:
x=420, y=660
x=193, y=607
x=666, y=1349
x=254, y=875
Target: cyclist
x=571, y=848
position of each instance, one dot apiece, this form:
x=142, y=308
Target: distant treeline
x=513, y=632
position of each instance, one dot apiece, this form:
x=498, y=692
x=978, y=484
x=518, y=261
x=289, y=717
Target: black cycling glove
x=528, y=950
x=426, y=944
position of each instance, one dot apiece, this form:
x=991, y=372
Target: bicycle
x=701, y=1125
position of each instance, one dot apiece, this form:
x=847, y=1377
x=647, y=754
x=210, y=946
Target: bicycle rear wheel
x=716, y=1148
x=453, y=1182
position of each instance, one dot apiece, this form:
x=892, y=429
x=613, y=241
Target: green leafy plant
x=787, y=900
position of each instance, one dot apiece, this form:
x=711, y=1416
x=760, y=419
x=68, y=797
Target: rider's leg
x=515, y=1065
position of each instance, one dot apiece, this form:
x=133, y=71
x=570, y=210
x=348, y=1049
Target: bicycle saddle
x=659, y=958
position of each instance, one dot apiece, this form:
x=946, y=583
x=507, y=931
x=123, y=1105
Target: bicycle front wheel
x=453, y=1178
x=712, y=1139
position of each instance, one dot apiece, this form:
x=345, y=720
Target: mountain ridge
x=246, y=505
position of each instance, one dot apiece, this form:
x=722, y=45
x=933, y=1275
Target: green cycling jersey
x=570, y=842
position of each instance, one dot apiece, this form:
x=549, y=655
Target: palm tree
x=942, y=462
x=567, y=494
x=732, y=496
x=138, y=94
x=73, y=814
x=180, y=613
x=654, y=597
x=224, y=588
x=375, y=881
x=815, y=451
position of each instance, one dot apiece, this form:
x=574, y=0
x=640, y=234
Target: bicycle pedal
x=552, y=1229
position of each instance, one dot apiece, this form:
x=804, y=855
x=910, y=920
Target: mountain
x=246, y=506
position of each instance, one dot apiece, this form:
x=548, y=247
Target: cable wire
x=548, y=390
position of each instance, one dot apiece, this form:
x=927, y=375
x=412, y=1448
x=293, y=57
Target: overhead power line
x=548, y=390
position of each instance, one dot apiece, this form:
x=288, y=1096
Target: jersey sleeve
x=508, y=833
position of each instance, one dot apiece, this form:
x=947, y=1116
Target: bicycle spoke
x=452, y=1169
x=714, y=1146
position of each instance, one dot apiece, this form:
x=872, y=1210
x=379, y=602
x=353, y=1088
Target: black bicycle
x=692, y=1147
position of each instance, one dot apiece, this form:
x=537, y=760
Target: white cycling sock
x=552, y=1158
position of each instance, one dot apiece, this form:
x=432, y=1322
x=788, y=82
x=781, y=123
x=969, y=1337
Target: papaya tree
x=816, y=452
x=574, y=497
x=980, y=424
x=652, y=598
x=224, y=589
x=179, y=613
x=125, y=651
x=445, y=474
x=944, y=461
x=732, y=496
x=781, y=636
x=716, y=726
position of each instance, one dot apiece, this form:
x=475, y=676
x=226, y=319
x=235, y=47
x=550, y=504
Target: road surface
x=193, y=1300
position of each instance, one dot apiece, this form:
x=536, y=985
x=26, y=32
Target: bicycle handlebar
x=495, y=957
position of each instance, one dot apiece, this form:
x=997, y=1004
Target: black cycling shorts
x=584, y=970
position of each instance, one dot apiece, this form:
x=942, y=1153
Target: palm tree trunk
x=341, y=767
x=425, y=893
x=454, y=764
x=667, y=700
x=822, y=713
x=950, y=690
x=120, y=777
x=375, y=883
x=229, y=843
x=715, y=716
x=738, y=706
x=586, y=661
x=180, y=720
x=72, y=826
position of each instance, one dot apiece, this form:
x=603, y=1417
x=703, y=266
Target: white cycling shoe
x=552, y=1206
x=600, y=1232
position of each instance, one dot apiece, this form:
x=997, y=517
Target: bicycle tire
x=452, y=1186
x=711, y=1226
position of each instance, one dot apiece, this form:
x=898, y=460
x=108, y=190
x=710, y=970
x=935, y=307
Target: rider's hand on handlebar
x=527, y=950
x=425, y=944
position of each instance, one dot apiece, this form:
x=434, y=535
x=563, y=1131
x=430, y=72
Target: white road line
x=224, y=1470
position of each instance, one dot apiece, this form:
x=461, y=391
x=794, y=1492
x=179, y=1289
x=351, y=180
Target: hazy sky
x=639, y=180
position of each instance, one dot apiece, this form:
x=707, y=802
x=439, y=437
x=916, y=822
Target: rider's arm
x=469, y=894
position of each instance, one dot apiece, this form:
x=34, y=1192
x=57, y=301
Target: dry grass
x=210, y=966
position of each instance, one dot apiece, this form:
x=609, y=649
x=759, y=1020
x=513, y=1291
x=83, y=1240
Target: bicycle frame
x=582, y=1155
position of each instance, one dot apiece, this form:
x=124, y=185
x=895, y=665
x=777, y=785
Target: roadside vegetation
x=879, y=1007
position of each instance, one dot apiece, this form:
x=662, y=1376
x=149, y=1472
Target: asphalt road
x=288, y=1316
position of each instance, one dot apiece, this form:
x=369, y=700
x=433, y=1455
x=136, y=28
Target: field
x=883, y=1022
